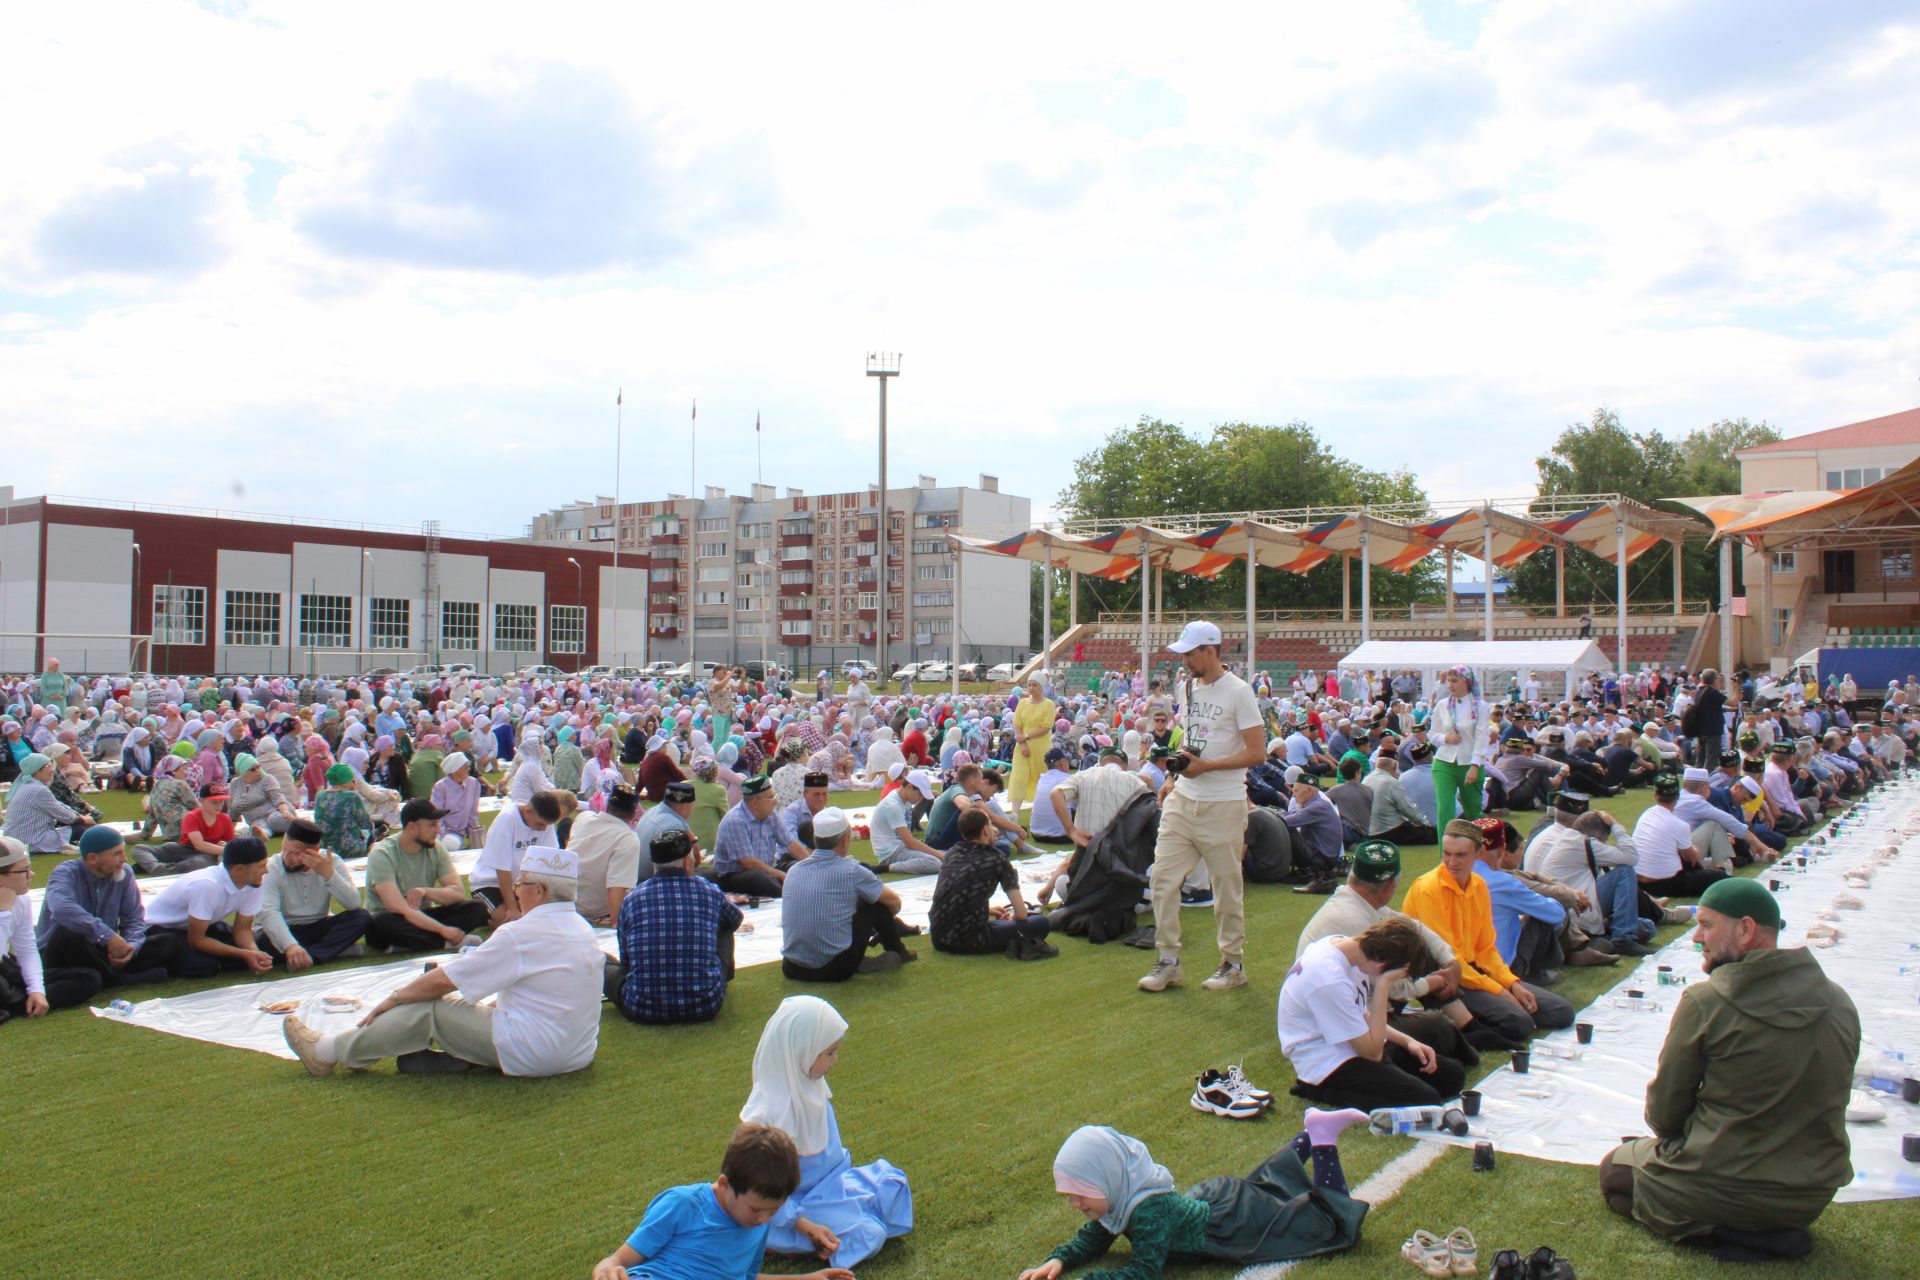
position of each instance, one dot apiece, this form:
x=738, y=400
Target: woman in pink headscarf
x=313, y=778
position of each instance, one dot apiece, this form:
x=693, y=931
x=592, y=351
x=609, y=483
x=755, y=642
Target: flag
x=619, y=396
x=696, y=411
x=756, y=424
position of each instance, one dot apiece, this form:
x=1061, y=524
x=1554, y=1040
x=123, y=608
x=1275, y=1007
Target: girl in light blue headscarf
x=1275, y=1214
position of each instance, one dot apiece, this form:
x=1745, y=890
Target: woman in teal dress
x=840, y=1212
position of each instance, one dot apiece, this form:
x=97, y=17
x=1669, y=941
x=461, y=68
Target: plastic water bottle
x=120, y=1008
x=1389, y=1121
x=1547, y=1049
x=1885, y=1071
x=1632, y=1005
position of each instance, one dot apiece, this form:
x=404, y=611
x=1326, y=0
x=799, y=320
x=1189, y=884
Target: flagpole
x=619, y=402
x=766, y=601
x=689, y=545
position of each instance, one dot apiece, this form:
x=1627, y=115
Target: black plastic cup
x=1910, y=1090
x=1910, y=1147
x=1483, y=1155
x=1583, y=1032
x=1470, y=1101
x=1635, y=993
x=1522, y=1061
x=1773, y=885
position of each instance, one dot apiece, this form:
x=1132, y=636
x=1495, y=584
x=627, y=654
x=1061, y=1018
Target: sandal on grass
x=1428, y=1252
x=1462, y=1252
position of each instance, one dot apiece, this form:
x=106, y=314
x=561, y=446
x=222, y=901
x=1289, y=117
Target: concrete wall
x=89, y=590
x=623, y=633
x=19, y=592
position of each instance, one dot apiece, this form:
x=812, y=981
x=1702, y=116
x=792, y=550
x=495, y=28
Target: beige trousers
x=1193, y=833
x=462, y=1029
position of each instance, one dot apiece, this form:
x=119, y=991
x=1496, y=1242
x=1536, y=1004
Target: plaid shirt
x=741, y=835
x=669, y=931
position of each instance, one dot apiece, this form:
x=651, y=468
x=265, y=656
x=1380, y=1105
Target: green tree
x=1154, y=469
x=1601, y=456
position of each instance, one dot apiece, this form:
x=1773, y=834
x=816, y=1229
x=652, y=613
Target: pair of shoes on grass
x=1542, y=1264
x=1454, y=1254
x=1166, y=973
x=1229, y=1094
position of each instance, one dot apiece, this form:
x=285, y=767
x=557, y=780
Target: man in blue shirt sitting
x=835, y=909
x=91, y=916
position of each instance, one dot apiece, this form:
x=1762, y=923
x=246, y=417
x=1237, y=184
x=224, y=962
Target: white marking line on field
x=1377, y=1190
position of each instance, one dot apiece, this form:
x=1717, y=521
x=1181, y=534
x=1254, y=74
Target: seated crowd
x=1380, y=1006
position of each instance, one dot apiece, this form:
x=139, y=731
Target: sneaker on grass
x=1238, y=1082
x=1211, y=1094
x=1227, y=976
x=1165, y=973
x=1196, y=897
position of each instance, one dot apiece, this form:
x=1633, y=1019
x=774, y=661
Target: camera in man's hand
x=1178, y=762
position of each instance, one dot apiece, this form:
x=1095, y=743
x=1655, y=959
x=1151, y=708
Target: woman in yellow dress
x=1033, y=719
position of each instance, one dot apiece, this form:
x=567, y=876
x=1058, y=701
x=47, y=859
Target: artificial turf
x=133, y=1151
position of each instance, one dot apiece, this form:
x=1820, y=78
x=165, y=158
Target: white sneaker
x=1237, y=1081
x=1166, y=972
x=1227, y=976
x=1211, y=1094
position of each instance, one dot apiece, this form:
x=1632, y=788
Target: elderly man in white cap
x=895, y=847
x=543, y=968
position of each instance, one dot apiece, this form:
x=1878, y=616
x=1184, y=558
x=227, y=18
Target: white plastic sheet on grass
x=1577, y=1110
x=232, y=1015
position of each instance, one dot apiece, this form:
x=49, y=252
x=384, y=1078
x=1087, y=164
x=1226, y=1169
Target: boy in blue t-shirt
x=717, y=1230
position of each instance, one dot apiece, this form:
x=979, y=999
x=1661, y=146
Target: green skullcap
x=1376, y=861
x=1738, y=896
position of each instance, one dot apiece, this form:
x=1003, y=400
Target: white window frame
x=382, y=613
x=567, y=628
x=323, y=620
x=250, y=619
x=456, y=635
x=516, y=627
x=179, y=614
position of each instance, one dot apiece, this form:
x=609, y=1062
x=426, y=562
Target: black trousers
x=188, y=963
x=1408, y=833
x=871, y=923
x=1001, y=935
x=174, y=858
x=1688, y=882
x=391, y=929
x=151, y=962
x=1395, y=1081
x=755, y=884
x=66, y=987
x=326, y=938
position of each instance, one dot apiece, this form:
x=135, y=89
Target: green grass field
x=132, y=1150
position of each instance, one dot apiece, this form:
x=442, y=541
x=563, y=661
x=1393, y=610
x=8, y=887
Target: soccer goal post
x=360, y=662
x=81, y=653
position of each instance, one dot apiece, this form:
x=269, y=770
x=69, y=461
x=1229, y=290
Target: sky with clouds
x=390, y=262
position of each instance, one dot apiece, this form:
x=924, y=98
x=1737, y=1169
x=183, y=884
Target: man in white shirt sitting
x=1086, y=802
x=1599, y=865
x=195, y=908
x=543, y=967
x=1668, y=863
x=609, y=854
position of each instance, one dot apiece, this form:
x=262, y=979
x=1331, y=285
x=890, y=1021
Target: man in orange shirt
x=1454, y=902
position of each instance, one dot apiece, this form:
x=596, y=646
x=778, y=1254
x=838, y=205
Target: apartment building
x=796, y=578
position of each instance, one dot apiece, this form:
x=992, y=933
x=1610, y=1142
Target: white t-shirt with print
x=1216, y=716
x=1323, y=1006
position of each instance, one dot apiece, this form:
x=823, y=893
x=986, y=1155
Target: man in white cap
x=1203, y=816
x=835, y=909
x=895, y=847
x=544, y=969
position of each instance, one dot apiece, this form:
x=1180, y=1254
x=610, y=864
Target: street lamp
x=883, y=365
x=366, y=602
x=579, y=581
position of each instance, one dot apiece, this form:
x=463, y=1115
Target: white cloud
x=420, y=245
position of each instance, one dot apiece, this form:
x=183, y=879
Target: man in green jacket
x=1748, y=1109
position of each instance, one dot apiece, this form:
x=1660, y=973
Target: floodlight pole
x=1620, y=587
x=883, y=365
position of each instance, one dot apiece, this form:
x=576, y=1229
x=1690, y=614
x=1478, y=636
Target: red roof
x=1895, y=428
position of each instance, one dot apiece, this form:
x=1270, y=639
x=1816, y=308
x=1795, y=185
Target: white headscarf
x=784, y=1095
x=1120, y=1167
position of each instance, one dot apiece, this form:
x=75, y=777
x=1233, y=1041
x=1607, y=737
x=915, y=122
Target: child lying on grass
x=1274, y=1214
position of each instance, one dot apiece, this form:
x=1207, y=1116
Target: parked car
x=763, y=671
x=933, y=669
x=658, y=668
x=1003, y=670
x=864, y=665
x=379, y=673
x=970, y=671
x=540, y=671
x=683, y=671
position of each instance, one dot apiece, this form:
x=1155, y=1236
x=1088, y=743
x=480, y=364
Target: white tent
x=1497, y=663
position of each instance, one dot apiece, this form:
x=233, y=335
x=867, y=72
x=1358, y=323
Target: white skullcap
x=547, y=860
x=830, y=822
